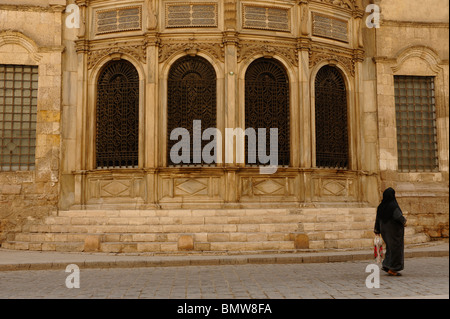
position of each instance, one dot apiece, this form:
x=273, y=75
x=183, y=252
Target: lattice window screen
x=331, y=119
x=18, y=112
x=267, y=105
x=416, y=123
x=117, y=135
x=191, y=96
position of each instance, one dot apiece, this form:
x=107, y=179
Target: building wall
x=409, y=42
x=30, y=34
x=230, y=47
x=413, y=40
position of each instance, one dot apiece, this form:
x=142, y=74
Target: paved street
x=422, y=277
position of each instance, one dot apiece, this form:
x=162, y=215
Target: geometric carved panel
x=329, y=27
x=190, y=187
x=118, y=20
x=260, y=186
x=334, y=189
x=116, y=188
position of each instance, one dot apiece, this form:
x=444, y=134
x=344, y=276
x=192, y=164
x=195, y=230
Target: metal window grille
x=331, y=119
x=18, y=112
x=416, y=123
x=117, y=136
x=267, y=106
x=191, y=96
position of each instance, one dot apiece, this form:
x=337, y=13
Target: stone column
x=232, y=107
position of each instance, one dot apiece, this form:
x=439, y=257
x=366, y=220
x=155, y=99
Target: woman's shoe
x=385, y=269
x=393, y=273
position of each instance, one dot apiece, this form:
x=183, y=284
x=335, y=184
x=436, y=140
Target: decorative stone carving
x=333, y=57
x=334, y=187
x=261, y=186
x=216, y=50
x=266, y=18
x=230, y=14
x=267, y=49
x=191, y=15
x=114, y=187
x=136, y=50
x=192, y=187
x=118, y=20
x=329, y=27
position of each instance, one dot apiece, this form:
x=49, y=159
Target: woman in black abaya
x=390, y=223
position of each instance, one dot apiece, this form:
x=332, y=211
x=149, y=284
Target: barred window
x=331, y=119
x=117, y=136
x=416, y=123
x=191, y=97
x=18, y=112
x=267, y=105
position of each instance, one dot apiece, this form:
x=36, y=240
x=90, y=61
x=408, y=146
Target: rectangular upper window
x=18, y=111
x=416, y=123
x=266, y=18
x=119, y=20
x=191, y=15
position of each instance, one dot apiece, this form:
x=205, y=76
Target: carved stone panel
x=185, y=188
x=268, y=187
x=115, y=188
x=191, y=15
x=118, y=20
x=329, y=27
x=266, y=18
x=334, y=189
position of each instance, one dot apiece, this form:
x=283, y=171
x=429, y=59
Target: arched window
x=117, y=135
x=191, y=96
x=267, y=106
x=331, y=119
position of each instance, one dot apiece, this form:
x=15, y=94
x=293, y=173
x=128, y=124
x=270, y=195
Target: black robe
x=392, y=230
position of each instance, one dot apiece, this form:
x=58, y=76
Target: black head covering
x=388, y=205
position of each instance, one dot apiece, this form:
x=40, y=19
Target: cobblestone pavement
x=422, y=277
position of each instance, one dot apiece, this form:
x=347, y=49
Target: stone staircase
x=201, y=231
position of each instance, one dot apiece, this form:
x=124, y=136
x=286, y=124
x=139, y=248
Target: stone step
x=139, y=247
x=210, y=230
x=337, y=226
x=353, y=243
x=205, y=228
x=44, y=246
x=170, y=220
x=152, y=237
x=174, y=213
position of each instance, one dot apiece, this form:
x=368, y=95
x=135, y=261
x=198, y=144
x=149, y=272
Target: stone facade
x=412, y=39
x=303, y=36
x=31, y=34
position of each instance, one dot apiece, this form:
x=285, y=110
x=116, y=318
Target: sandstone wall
x=30, y=34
